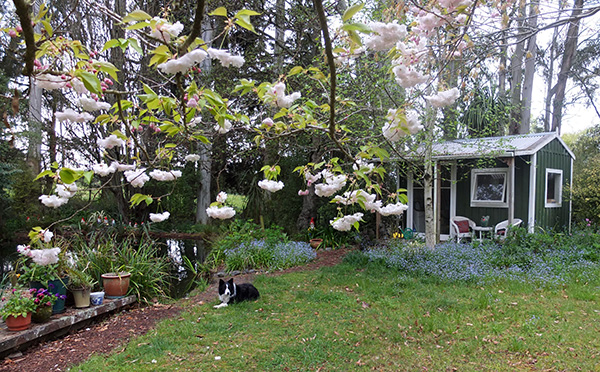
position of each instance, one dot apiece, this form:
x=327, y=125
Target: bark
x=309, y=202
x=529, y=70
x=516, y=81
x=549, y=92
x=570, y=50
x=279, y=35
x=203, y=195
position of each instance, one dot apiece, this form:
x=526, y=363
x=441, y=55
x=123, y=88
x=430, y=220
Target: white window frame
x=558, y=188
x=489, y=203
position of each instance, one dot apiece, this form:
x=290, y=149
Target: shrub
x=262, y=254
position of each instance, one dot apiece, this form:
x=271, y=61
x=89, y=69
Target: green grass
x=371, y=318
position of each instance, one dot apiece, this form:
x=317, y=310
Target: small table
x=481, y=229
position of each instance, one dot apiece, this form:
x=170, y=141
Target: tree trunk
x=567, y=61
x=529, y=71
x=203, y=195
x=279, y=35
x=516, y=79
x=549, y=83
x=309, y=202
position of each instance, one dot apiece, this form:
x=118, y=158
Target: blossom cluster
x=219, y=210
x=270, y=185
x=159, y=217
x=399, y=125
x=64, y=193
x=276, y=96
x=42, y=257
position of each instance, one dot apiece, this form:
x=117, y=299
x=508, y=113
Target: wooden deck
x=58, y=325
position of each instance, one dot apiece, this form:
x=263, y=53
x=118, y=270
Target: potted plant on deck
x=44, y=300
x=116, y=283
x=17, y=308
x=80, y=284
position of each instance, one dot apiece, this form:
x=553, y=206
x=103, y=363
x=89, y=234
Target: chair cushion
x=463, y=226
x=501, y=231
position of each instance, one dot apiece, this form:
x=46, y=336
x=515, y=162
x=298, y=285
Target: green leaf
x=350, y=12
x=137, y=26
x=137, y=15
x=354, y=37
x=296, y=70
x=246, y=12
x=245, y=23
x=45, y=173
x=136, y=199
x=135, y=45
x=220, y=11
x=90, y=81
x=88, y=175
x=360, y=27
x=110, y=44
x=69, y=176
x=48, y=28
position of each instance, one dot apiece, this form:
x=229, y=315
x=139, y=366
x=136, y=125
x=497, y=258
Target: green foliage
x=17, y=302
x=352, y=317
x=106, y=252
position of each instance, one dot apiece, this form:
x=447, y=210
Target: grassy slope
x=344, y=318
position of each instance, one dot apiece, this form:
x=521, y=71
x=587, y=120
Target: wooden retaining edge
x=58, y=324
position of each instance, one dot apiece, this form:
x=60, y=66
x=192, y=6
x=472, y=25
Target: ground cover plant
x=363, y=315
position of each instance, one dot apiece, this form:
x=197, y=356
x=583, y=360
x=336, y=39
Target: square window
x=488, y=187
x=553, y=188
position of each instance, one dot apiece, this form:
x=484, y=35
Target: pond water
x=194, y=250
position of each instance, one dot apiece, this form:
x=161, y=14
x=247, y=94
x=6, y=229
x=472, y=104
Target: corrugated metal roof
x=506, y=146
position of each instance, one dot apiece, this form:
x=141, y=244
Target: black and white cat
x=230, y=292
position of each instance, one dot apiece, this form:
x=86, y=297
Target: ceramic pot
x=115, y=284
x=56, y=286
x=18, y=323
x=81, y=297
x=315, y=243
x=42, y=314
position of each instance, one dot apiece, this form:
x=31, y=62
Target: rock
x=220, y=274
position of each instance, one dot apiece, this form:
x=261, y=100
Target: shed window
x=488, y=187
x=553, y=188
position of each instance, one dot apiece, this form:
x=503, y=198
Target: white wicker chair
x=457, y=228
x=501, y=229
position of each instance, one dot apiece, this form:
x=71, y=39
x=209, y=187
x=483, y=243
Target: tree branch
x=196, y=28
x=23, y=9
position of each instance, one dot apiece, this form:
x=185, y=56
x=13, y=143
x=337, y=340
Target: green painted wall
x=554, y=156
x=463, y=191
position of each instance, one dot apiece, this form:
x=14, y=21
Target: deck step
x=58, y=325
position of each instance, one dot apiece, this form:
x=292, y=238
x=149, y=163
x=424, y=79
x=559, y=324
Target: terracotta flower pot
x=115, y=284
x=18, y=323
x=315, y=243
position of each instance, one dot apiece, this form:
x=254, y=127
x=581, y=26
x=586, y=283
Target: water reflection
x=195, y=251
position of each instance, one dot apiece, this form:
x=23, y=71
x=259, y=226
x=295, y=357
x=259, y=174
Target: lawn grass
x=351, y=318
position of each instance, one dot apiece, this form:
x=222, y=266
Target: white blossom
x=159, y=217
x=46, y=235
x=393, y=209
x=270, y=185
x=363, y=166
x=110, y=142
x=386, y=35
x=164, y=30
x=73, y=116
x=184, y=63
x=160, y=175
x=103, y=170
x=225, y=57
x=44, y=257
x=222, y=213
x=50, y=82
x=192, y=157
x=401, y=125
x=408, y=77
x=331, y=185
x=225, y=128
x=78, y=86
x=221, y=197
x=451, y=5
x=137, y=178
x=66, y=190
x=345, y=223
x=122, y=167
x=90, y=104
x=277, y=97
x=444, y=98
x=53, y=201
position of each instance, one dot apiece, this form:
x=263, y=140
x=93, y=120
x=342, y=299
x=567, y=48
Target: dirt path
x=113, y=333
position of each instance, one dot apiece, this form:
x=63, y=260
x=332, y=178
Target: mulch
x=112, y=334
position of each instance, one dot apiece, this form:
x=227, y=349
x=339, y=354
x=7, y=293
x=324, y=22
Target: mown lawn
x=364, y=318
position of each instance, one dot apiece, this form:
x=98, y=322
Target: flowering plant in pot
x=43, y=266
x=17, y=308
x=43, y=300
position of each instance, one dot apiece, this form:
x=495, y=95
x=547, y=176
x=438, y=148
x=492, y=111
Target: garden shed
x=523, y=177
